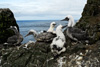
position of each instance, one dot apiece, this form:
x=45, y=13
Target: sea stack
x=6, y=20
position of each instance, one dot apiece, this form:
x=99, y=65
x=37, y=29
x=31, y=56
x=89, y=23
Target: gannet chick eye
x=67, y=18
x=53, y=23
x=15, y=27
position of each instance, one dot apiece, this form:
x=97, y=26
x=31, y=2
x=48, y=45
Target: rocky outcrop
x=6, y=20
x=35, y=55
x=39, y=55
x=76, y=55
x=90, y=19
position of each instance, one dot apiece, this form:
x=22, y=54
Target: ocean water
x=38, y=25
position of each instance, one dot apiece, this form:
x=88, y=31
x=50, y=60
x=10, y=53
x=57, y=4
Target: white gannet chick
x=52, y=26
x=58, y=44
x=70, y=20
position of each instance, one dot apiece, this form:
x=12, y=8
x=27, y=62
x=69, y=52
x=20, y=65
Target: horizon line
x=41, y=20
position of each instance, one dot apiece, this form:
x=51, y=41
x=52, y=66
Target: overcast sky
x=44, y=9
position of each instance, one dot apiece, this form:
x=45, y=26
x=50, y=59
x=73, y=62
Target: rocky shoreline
x=76, y=55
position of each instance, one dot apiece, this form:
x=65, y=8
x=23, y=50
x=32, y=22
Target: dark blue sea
x=38, y=25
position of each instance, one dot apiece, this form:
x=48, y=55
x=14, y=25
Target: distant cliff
x=6, y=20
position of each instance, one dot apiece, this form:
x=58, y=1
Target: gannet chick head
x=52, y=25
x=69, y=17
x=71, y=22
x=59, y=30
x=31, y=32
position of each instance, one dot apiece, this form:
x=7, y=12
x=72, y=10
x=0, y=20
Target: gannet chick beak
x=66, y=19
x=28, y=34
x=54, y=24
x=64, y=26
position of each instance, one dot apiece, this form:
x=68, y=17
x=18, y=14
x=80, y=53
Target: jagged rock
x=6, y=20
x=34, y=56
x=39, y=55
x=90, y=19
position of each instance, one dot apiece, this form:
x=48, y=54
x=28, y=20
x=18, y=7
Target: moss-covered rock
x=34, y=56
x=6, y=20
x=39, y=55
x=90, y=19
